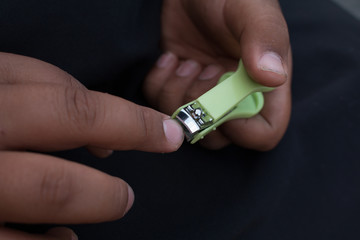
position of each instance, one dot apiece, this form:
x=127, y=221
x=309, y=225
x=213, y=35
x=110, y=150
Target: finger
x=37, y=188
x=172, y=93
x=264, y=131
x=17, y=69
x=49, y=117
x=99, y=152
x=159, y=74
x=52, y=234
x=260, y=28
x=215, y=141
x=62, y=233
x=207, y=79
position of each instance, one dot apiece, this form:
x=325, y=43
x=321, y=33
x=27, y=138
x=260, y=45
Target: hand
x=45, y=109
x=202, y=40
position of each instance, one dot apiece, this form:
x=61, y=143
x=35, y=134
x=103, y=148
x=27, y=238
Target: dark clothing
x=306, y=188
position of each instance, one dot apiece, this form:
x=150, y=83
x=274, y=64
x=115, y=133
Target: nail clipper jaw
x=188, y=123
x=193, y=120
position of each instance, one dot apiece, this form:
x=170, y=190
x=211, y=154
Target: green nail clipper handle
x=235, y=96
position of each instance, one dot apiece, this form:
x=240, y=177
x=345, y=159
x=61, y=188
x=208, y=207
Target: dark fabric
x=306, y=188
x=104, y=44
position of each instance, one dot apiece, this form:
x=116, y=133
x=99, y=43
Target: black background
x=306, y=188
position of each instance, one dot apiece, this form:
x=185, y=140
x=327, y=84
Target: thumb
x=261, y=29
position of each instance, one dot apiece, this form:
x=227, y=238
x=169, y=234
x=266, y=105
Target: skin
x=45, y=109
x=204, y=39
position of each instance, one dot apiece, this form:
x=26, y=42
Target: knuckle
x=72, y=82
x=55, y=188
x=82, y=108
x=143, y=118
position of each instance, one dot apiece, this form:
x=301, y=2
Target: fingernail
x=74, y=236
x=63, y=233
x=187, y=68
x=209, y=72
x=131, y=198
x=107, y=153
x=173, y=132
x=165, y=60
x=271, y=62
x=103, y=153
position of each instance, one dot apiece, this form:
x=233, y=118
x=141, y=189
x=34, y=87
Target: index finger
x=48, y=117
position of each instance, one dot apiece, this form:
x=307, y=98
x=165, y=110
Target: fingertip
x=268, y=69
x=121, y=200
x=159, y=75
x=166, y=60
x=100, y=152
x=210, y=72
x=130, y=201
x=272, y=70
x=187, y=68
x=62, y=233
x=272, y=62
